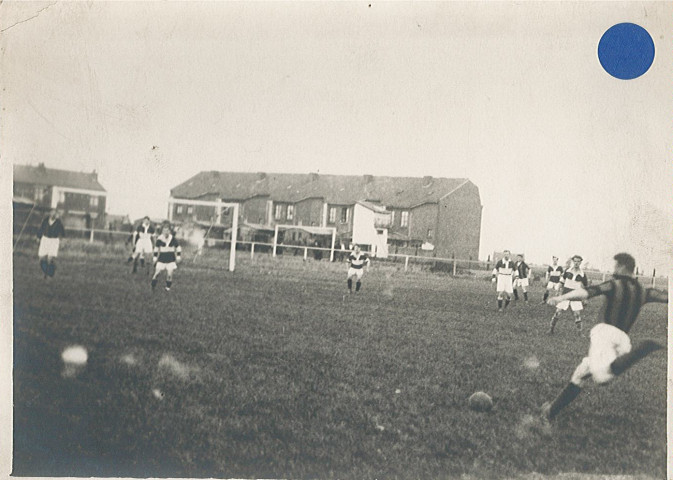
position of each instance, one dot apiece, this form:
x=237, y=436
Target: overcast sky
x=510, y=95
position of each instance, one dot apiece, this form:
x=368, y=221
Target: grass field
x=270, y=372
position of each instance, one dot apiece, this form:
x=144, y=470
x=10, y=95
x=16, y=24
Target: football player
x=553, y=278
x=572, y=279
x=523, y=272
x=51, y=230
x=610, y=353
x=504, y=273
x=357, y=261
x=167, y=255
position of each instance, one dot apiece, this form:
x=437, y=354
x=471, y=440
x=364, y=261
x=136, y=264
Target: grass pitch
x=275, y=371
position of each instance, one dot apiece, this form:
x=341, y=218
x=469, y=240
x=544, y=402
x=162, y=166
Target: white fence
x=453, y=266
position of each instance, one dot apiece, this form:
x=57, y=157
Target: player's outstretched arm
x=578, y=294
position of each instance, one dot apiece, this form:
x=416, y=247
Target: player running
x=553, y=279
x=142, y=241
x=357, y=260
x=610, y=352
x=167, y=255
x=49, y=234
x=503, y=273
x=523, y=273
x=572, y=279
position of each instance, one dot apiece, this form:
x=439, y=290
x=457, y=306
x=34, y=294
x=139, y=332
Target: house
x=442, y=212
x=77, y=195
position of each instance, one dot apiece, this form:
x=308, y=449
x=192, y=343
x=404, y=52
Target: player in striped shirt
x=610, y=353
x=49, y=234
x=503, y=273
x=167, y=255
x=553, y=277
x=523, y=272
x=357, y=260
x=572, y=279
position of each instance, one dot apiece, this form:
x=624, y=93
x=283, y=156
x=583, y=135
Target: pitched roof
x=401, y=192
x=53, y=177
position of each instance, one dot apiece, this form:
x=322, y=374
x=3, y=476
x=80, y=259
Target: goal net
x=203, y=221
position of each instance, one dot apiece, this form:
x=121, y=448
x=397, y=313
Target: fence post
x=252, y=250
x=654, y=282
x=604, y=276
x=454, y=266
x=305, y=253
x=406, y=262
x=91, y=235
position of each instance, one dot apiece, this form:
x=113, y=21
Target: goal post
x=218, y=206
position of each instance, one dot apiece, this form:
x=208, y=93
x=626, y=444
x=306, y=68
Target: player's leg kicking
x=610, y=355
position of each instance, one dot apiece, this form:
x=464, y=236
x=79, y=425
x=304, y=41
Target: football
x=480, y=402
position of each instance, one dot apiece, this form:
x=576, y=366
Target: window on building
x=404, y=219
x=278, y=212
x=61, y=198
x=93, y=201
x=290, y=212
x=345, y=214
x=332, y=214
x=392, y=217
x=190, y=210
x=178, y=210
x=429, y=232
x=39, y=194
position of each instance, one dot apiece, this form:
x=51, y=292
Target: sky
x=567, y=158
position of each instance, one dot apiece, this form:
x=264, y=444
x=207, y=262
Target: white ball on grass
x=480, y=402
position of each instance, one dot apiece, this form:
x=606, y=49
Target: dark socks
x=567, y=395
x=358, y=284
x=350, y=285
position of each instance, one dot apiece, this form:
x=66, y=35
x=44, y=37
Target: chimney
x=94, y=175
x=41, y=168
x=369, y=178
x=427, y=180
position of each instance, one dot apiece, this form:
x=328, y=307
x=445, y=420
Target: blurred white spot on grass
x=74, y=360
x=129, y=359
x=398, y=391
x=531, y=363
x=169, y=364
x=158, y=394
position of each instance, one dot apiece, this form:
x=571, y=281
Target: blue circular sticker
x=626, y=51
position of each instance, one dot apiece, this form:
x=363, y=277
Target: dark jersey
x=358, y=261
x=504, y=267
x=555, y=273
x=522, y=269
x=624, y=296
x=574, y=279
x=53, y=230
x=167, y=249
x=143, y=232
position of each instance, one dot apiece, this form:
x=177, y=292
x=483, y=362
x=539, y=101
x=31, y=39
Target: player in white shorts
x=142, y=241
x=553, y=277
x=167, y=255
x=49, y=234
x=504, y=273
x=522, y=274
x=572, y=279
x=610, y=353
x=357, y=261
